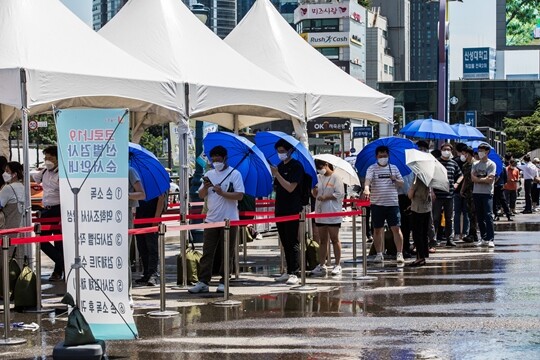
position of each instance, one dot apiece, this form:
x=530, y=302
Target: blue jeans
x=460, y=207
x=484, y=214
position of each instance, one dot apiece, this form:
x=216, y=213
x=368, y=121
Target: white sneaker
x=399, y=258
x=258, y=237
x=199, y=287
x=379, y=258
x=485, y=243
x=293, y=280
x=491, y=244
x=319, y=271
x=336, y=270
x=220, y=288
x=284, y=277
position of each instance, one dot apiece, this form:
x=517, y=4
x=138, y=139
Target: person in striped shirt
x=382, y=181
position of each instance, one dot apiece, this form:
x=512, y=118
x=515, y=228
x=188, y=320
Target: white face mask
x=446, y=154
x=463, y=158
x=218, y=166
x=481, y=154
x=321, y=171
x=49, y=164
x=382, y=161
x=7, y=177
x=282, y=156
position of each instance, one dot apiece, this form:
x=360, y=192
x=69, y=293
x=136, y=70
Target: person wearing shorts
x=382, y=181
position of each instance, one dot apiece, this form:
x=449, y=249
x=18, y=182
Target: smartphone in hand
x=207, y=180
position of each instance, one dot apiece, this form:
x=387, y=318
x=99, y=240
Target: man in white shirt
x=382, y=180
x=530, y=171
x=223, y=187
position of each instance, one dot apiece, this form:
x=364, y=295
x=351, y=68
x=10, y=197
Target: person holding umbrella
x=329, y=193
x=223, y=187
x=288, y=175
x=421, y=204
x=382, y=180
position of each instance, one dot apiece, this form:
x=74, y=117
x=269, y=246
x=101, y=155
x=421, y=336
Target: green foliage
x=518, y=148
x=525, y=129
x=365, y=3
x=152, y=140
x=521, y=17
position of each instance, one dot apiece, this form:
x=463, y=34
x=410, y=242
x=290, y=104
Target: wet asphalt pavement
x=466, y=303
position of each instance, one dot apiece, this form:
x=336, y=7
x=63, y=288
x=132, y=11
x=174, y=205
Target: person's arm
x=366, y=194
x=315, y=191
x=139, y=193
x=203, y=189
x=397, y=178
x=288, y=186
x=238, y=187
x=412, y=190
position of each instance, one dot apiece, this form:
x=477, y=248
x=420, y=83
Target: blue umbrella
x=429, y=129
x=245, y=157
x=266, y=140
x=493, y=156
x=155, y=179
x=467, y=132
x=397, y=148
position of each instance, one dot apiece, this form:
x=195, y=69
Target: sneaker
x=450, y=243
x=284, y=277
x=199, y=287
x=319, y=270
x=220, y=288
x=55, y=277
x=370, y=238
x=293, y=280
x=152, y=281
x=399, y=258
x=484, y=243
x=259, y=236
x=336, y=270
x=491, y=244
x=379, y=258
x=469, y=239
x=142, y=280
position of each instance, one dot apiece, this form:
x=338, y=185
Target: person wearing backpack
x=288, y=178
x=12, y=196
x=222, y=187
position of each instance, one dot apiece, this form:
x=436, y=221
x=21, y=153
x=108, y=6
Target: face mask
x=382, y=161
x=49, y=165
x=321, y=171
x=481, y=154
x=7, y=177
x=446, y=154
x=219, y=166
x=283, y=156
x=463, y=158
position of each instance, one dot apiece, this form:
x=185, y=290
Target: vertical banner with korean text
x=93, y=156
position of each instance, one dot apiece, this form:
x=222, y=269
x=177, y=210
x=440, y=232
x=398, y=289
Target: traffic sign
x=33, y=125
x=454, y=100
x=362, y=132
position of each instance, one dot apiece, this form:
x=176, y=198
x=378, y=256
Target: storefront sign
x=328, y=125
x=328, y=39
x=321, y=11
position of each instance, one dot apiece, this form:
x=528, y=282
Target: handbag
x=25, y=292
x=14, y=272
x=193, y=264
x=312, y=254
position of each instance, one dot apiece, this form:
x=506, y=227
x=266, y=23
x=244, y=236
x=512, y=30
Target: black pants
x=528, y=198
x=54, y=251
x=499, y=201
x=406, y=225
x=421, y=222
x=147, y=244
x=213, y=243
x=288, y=235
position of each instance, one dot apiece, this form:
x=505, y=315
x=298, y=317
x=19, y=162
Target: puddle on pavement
x=517, y=226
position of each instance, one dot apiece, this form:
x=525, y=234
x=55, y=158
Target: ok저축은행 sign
x=93, y=156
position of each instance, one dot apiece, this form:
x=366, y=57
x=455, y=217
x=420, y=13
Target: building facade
x=424, y=40
x=398, y=12
x=379, y=62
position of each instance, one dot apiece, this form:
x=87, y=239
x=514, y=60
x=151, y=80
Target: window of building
x=385, y=69
x=331, y=53
x=317, y=25
x=391, y=70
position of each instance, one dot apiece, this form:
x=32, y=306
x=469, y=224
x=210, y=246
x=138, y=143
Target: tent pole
x=184, y=179
x=27, y=215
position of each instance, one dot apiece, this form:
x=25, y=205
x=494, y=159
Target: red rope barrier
x=51, y=228
x=35, y=239
x=17, y=230
x=256, y=213
x=140, y=231
x=265, y=221
x=46, y=220
x=336, y=214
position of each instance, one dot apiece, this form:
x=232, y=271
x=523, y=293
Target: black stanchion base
x=81, y=352
x=12, y=341
x=162, y=314
x=227, y=303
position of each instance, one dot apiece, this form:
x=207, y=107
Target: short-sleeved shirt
x=454, y=172
x=133, y=177
x=383, y=189
x=329, y=185
x=483, y=169
x=512, y=178
x=289, y=203
x=219, y=207
x=421, y=201
x=50, y=181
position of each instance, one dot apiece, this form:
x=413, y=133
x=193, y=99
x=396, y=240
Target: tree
x=365, y=3
x=521, y=17
x=518, y=148
x=525, y=129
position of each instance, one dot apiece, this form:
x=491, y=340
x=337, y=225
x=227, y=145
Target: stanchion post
x=364, y=277
x=354, y=259
x=162, y=276
x=183, y=236
x=39, y=309
x=302, y=226
x=5, y=277
x=226, y=267
x=237, y=252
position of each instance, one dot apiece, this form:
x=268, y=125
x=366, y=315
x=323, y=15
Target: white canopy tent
x=50, y=57
x=224, y=87
x=264, y=37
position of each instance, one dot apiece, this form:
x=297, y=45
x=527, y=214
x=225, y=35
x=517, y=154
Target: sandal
x=432, y=250
x=418, y=263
